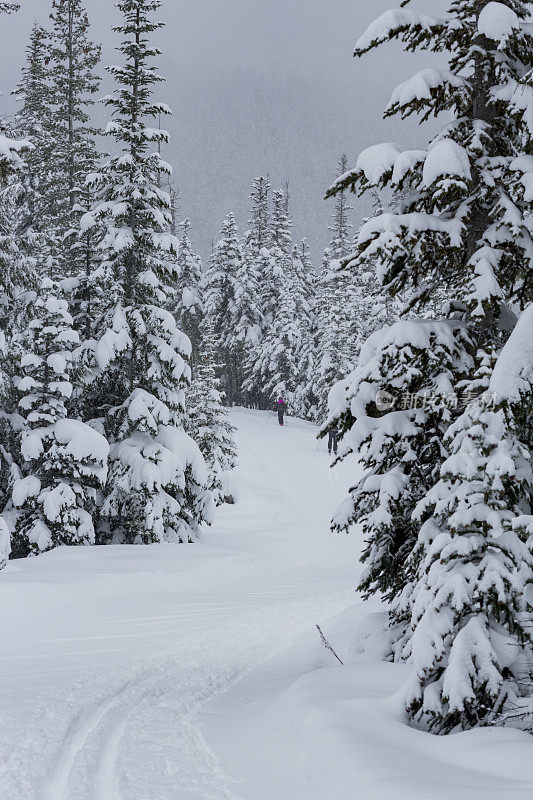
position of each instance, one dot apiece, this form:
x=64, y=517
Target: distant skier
x=333, y=440
x=281, y=407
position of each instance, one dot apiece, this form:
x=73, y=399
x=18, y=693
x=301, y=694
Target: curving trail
x=109, y=654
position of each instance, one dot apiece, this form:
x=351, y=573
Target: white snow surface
x=513, y=371
x=377, y=160
x=9, y=150
x=497, y=22
x=379, y=30
x=81, y=441
x=419, y=86
x=446, y=157
x=177, y=672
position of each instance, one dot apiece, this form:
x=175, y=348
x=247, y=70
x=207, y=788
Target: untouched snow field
x=195, y=672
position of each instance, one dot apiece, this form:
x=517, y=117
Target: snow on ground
x=107, y=653
x=301, y=727
x=195, y=673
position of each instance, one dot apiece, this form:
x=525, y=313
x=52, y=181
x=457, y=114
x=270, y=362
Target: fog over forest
x=256, y=87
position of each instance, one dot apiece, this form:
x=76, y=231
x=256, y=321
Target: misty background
x=256, y=87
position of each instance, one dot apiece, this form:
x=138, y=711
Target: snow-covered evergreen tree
x=259, y=234
x=189, y=291
x=308, y=276
x=277, y=368
x=64, y=460
x=511, y=384
x=393, y=412
x=333, y=345
x=16, y=277
x=341, y=242
x=157, y=480
x=223, y=275
x=471, y=646
x=271, y=285
x=246, y=325
x=258, y=275
x=302, y=286
x=220, y=278
x=281, y=223
x=35, y=120
x=274, y=261
x=17, y=267
x=72, y=59
x=331, y=348
x=461, y=228
x=457, y=219
x=209, y=424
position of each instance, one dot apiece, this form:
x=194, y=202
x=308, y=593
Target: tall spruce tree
x=209, y=424
x=16, y=276
x=189, y=291
x=459, y=226
x=17, y=259
x=455, y=195
x=277, y=366
x=302, y=286
x=35, y=120
x=275, y=260
x=260, y=267
x=281, y=223
x=246, y=323
x=157, y=482
x=73, y=59
x=259, y=233
x=341, y=242
x=273, y=264
x=332, y=331
x=331, y=361
x=220, y=298
x=308, y=275
x=272, y=283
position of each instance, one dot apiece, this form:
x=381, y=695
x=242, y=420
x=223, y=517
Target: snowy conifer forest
x=204, y=457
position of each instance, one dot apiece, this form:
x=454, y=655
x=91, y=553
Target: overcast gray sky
x=256, y=86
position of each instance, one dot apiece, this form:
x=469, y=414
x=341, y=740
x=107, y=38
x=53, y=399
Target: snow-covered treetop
x=73, y=61
x=133, y=102
x=259, y=234
x=281, y=223
x=34, y=117
x=136, y=211
x=341, y=245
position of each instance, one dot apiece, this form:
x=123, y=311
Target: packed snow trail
x=108, y=654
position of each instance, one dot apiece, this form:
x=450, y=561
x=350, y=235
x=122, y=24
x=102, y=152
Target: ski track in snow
x=128, y=731
x=167, y=699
